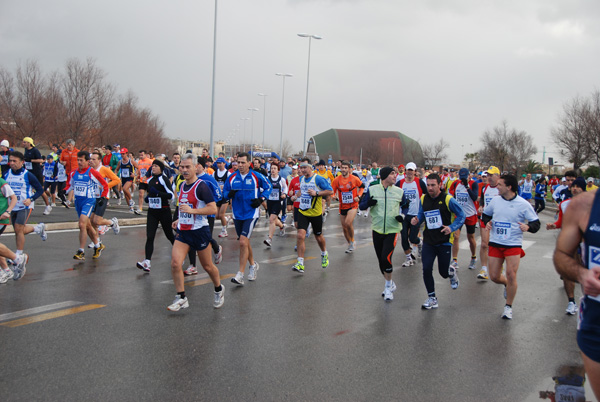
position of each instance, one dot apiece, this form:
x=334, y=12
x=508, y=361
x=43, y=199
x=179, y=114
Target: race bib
x=305, y=202
x=433, y=219
x=80, y=191
x=125, y=173
x=462, y=198
x=4, y=160
x=502, y=230
x=411, y=195
x=185, y=218
x=221, y=185
x=143, y=172
x=347, y=197
x=274, y=196
x=28, y=166
x=155, y=202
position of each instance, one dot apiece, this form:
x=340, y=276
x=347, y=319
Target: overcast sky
x=430, y=69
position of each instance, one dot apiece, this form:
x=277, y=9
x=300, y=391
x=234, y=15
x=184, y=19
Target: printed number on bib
x=462, y=198
x=125, y=173
x=274, y=196
x=411, y=195
x=80, y=191
x=155, y=203
x=185, y=218
x=433, y=219
x=502, y=230
x=305, y=202
x=347, y=197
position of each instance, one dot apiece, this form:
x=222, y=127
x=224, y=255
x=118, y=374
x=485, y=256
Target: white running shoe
x=267, y=241
x=392, y=288
x=239, y=279
x=409, y=261
x=119, y=202
x=219, y=297
x=53, y=204
x=430, y=303
x=191, y=270
x=3, y=276
x=571, y=308
x=483, y=274
x=102, y=229
x=139, y=212
x=387, y=294
x=454, y=264
x=253, y=273
x=10, y=273
x=179, y=303
x=351, y=247
x=219, y=256
x=115, y=225
x=131, y=203
x=42, y=231
x=48, y=209
x=18, y=267
x=144, y=265
x=507, y=314
x=473, y=263
x=282, y=231
x=223, y=233
x=453, y=274
x=91, y=245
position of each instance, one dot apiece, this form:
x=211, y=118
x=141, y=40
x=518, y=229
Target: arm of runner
x=114, y=179
x=39, y=190
x=455, y=208
x=265, y=185
x=566, y=248
x=417, y=220
x=98, y=177
x=324, y=187
x=473, y=191
x=364, y=201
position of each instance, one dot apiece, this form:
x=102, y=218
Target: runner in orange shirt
x=144, y=165
x=348, y=189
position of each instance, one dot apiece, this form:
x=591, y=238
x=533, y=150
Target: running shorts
x=244, y=227
x=197, y=239
x=502, y=252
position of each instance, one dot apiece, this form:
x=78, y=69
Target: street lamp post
x=282, y=100
x=245, y=119
x=310, y=38
x=212, y=102
x=252, y=110
x=264, y=116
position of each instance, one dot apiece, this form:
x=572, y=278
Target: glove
x=153, y=191
x=372, y=201
x=232, y=193
x=464, y=182
x=101, y=202
x=256, y=202
x=400, y=218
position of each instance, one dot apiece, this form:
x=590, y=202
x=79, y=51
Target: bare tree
x=435, y=154
x=592, y=118
x=570, y=134
x=506, y=148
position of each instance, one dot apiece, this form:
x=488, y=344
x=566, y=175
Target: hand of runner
x=174, y=224
x=488, y=226
x=550, y=226
x=27, y=202
x=414, y=221
x=186, y=208
x=446, y=230
x=590, y=281
x=524, y=227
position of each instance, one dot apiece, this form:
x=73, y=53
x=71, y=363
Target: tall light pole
x=245, y=120
x=252, y=110
x=282, y=100
x=212, y=102
x=264, y=116
x=310, y=38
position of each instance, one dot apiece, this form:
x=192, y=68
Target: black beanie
x=159, y=164
x=385, y=172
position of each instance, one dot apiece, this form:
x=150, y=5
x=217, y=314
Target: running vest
x=309, y=205
x=144, y=165
x=591, y=239
x=462, y=197
x=383, y=214
x=84, y=186
x=413, y=193
x=126, y=169
x=189, y=221
x=22, y=188
x=49, y=171
x=221, y=179
x=527, y=186
x=437, y=214
x=3, y=204
x=276, y=188
x=61, y=175
x=488, y=193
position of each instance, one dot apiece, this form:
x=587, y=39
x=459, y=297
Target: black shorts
x=197, y=239
x=315, y=221
x=274, y=207
x=344, y=212
x=296, y=213
x=99, y=210
x=144, y=186
x=126, y=180
x=470, y=228
x=222, y=202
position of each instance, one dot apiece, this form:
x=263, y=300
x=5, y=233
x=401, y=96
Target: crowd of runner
x=425, y=209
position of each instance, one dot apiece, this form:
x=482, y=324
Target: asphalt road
x=100, y=330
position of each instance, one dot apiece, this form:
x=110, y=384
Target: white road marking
x=37, y=310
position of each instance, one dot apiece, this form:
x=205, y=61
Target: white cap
x=563, y=179
x=4, y=143
x=590, y=179
x=411, y=166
